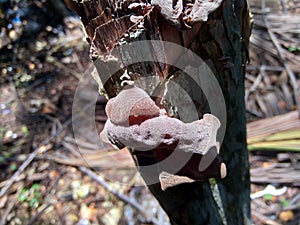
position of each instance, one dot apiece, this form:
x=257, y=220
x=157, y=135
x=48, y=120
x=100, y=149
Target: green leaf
x=24, y=130
x=7, y=154
x=268, y=197
x=35, y=186
x=293, y=48
x=13, y=167
x=23, y=195
x=284, y=202
x=2, y=132
x=33, y=202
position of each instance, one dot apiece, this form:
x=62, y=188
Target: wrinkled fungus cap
x=160, y=133
x=131, y=101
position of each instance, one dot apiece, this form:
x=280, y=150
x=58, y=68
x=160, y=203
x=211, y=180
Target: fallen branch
x=285, y=64
x=279, y=132
x=263, y=219
x=293, y=207
x=38, y=214
x=9, y=208
x=120, y=196
x=101, y=159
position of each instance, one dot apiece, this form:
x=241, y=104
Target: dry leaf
x=3, y=201
x=88, y=212
x=286, y=215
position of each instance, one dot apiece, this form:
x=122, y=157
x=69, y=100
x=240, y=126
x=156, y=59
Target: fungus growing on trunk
x=136, y=122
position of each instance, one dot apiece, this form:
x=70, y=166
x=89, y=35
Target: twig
x=83, y=144
x=58, y=64
x=72, y=149
x=263, y=219
x=254, y=86
x=10, y=207
x=285, y=64
x=266, y=67
x=20, y=106
x=38, y=214
x=34, y=84
x=293, y=207
x=122, y=197
x=78, y=63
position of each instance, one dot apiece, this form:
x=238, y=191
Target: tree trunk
x=222, y=42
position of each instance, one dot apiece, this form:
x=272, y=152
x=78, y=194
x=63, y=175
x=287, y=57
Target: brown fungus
x=136, y=122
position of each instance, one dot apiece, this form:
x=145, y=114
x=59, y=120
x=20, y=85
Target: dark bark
x=222, y=42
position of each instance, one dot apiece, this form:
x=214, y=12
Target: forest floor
x=53, y=170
